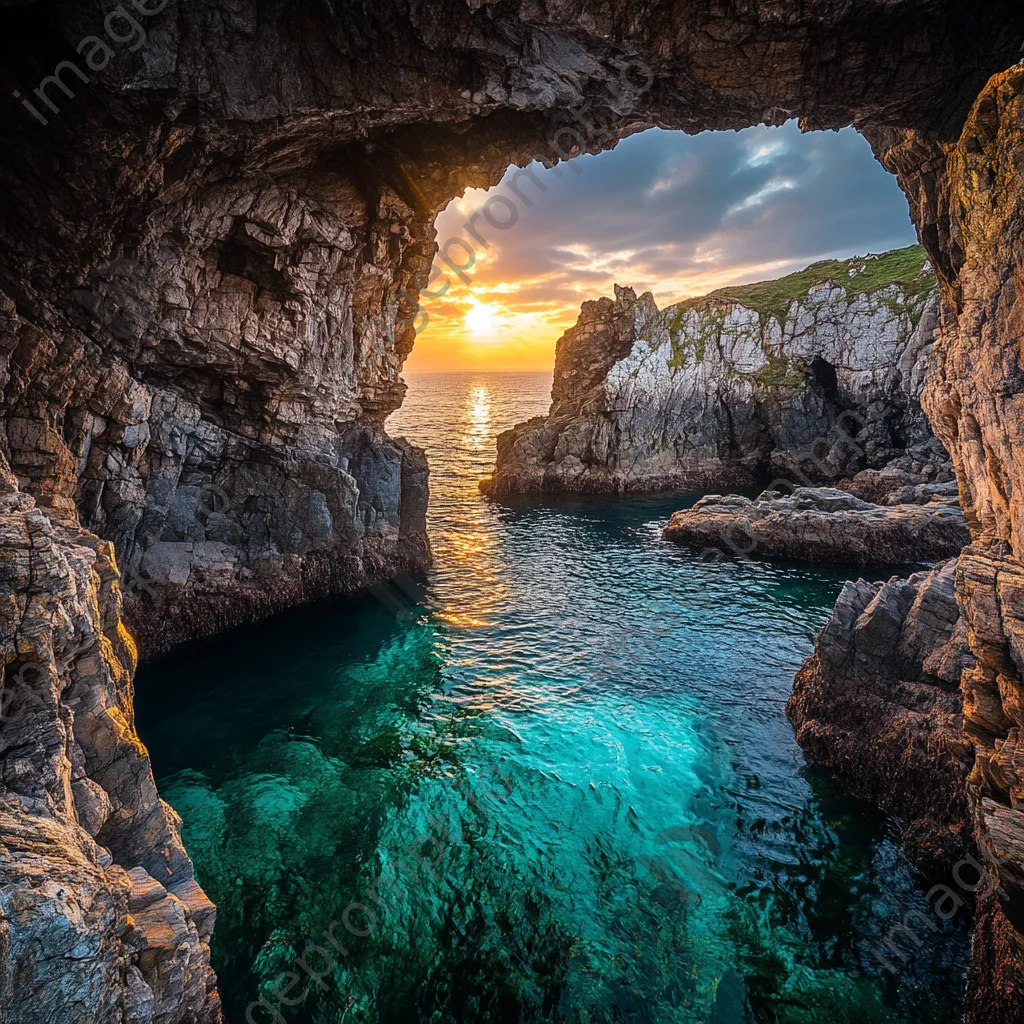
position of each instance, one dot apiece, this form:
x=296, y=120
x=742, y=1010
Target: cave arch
x=242, y=194
x=200, y=212
x=213, y=251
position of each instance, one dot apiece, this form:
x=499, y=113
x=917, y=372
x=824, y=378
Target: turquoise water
x=557, y=784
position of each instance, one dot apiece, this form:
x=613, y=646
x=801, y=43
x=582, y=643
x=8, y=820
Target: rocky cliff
x=214, y=404
x=216, y=219
x=101, y=918
x=968, y=199
x=813, y=377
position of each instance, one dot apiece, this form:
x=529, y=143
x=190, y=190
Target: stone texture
x=812, y=378
x=822, y=526
x=230, y=441
x=898, y=484
x=879, y=703
x=101, y=919
x=967, y=197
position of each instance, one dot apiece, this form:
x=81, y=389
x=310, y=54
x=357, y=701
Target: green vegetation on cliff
x=781, y=372
x=713, y=322
x=862, y=275
x=774, y=300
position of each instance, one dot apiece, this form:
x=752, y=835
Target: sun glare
x=482, y=319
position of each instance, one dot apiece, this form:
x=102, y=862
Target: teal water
x=556, y=784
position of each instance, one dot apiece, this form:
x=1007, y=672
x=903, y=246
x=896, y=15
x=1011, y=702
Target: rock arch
x=211, y=257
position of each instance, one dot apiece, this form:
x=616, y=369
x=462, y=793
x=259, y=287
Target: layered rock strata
x=101, y=919
x=214, y=406
x=968, y=199
x=823, y=526
x=213, y=241
x=813, y=377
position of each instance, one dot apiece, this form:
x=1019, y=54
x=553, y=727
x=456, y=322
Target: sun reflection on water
x=477, y=417
x=468, y=548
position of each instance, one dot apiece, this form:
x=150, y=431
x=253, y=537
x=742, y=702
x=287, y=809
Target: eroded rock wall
x=101, y=919
x=813, y=378
x=968, y=200
x=211, y=253
x=214, y=404
x=879, y=703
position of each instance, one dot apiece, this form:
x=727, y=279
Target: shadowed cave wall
x=207, y=286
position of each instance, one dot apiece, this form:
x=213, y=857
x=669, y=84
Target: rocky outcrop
x=968, y=199
x=813, y=377
x=101, y=919
x=822, y=526
x=880, y=704
x=213, y=242
x=214, y=406
x=898, y=484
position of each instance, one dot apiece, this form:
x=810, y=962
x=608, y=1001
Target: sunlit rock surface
x=813, y=378
x=101, y=919
x=968, y=200
x=823, y=526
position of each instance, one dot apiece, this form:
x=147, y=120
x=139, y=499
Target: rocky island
x=823, y=526
x=813, y=377
x=213, y=245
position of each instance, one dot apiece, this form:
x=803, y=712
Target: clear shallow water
x=558, y=785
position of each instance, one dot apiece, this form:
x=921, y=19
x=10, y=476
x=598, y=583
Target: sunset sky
x=674, y=214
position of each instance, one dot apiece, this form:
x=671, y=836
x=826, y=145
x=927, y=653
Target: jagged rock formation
x=968, y=200
x=812, y=377
x=211, y=258
x=897, y=484
x=100, y=916
x=227, y=436
x=822, y=526
x=880, y=704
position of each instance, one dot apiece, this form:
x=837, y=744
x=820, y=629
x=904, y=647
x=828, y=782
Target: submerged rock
x=812, y=378
x=822, y=526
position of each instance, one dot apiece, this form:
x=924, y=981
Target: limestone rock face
x=822, y=526
x=101, y=919
x=227, y=436
x=813, y=377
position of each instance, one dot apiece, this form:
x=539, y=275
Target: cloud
x=675, y=214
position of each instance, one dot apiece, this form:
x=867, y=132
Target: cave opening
x=825, y=376
x=681, y=216
x=652, y=843
x=728, y=255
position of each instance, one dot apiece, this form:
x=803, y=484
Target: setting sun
x=482, y=319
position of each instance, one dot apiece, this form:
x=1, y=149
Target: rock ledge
x=823, y=526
